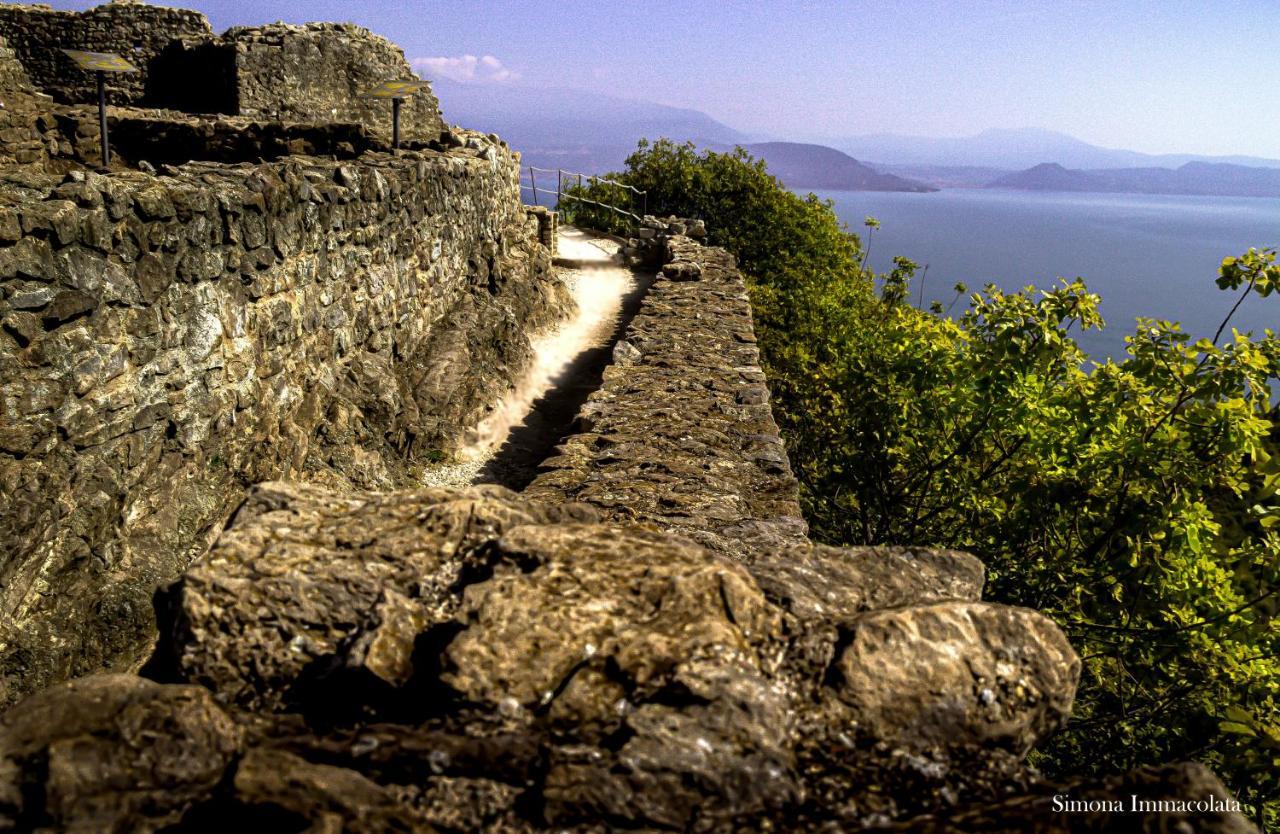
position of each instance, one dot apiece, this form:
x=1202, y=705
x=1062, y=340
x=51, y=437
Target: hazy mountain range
x=1015, y=149
x=574, y=129
x=592, y=133
x=801, y=165
x=1193, y=178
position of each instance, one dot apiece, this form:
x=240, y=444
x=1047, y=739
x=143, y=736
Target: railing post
x=533, y=182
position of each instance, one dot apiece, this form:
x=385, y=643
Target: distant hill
x=560, y=127
x=800, y=165
x=1193, y=178
x=943, y=176
x=1015, y=149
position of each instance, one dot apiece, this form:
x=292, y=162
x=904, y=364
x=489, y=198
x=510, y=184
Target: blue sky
x=1171, y=76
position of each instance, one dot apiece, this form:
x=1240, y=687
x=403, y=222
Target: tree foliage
x=1137, y=502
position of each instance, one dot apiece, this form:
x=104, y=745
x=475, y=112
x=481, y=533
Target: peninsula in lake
x=801, y=166
x=1191, y=179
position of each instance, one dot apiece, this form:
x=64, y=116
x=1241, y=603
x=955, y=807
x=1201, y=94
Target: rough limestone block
x=955, y=673
x=835, y=584
x=596, y=595
x=614, y=632
x=111, y=753
x=307, y=578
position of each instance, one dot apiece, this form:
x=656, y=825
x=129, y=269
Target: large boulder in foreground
x=648, y=658
x=986, y=674
x=473, y=660
x=309, y=586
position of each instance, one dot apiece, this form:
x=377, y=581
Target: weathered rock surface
x=169, y=339
x=990, y=674
x=656, y=693
x=473, y=660
x=680, y=434
x=310, y=587
x=819, y=583
x=111, y=753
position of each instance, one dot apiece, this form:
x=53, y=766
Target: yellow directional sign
x=100, y=61
x=398, y=89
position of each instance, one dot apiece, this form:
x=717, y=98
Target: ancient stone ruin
x=226, y=600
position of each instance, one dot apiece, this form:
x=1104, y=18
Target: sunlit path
x=568, y=362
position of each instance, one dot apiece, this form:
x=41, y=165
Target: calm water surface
x=1145, y=255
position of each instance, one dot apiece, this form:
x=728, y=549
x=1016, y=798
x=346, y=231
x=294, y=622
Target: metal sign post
x=396, y=104
x=101, y=63
x=397, y=91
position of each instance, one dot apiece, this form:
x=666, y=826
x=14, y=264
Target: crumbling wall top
x=139, y=32
x=322, y=72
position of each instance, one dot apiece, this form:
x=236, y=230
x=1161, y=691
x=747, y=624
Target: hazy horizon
x=1149, y=77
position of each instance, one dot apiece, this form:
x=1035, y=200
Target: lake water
x=1145, y=255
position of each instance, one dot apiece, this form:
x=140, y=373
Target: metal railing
x=561, y=194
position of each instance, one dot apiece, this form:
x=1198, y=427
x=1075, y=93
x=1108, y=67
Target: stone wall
x=137, y=31
x=12, y=75
x=680, y=434
x=24, y=131
x=321, y=72
x=166, y=341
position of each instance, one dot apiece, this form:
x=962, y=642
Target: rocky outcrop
x=169, y=339
x=473, y=660
x=112, y=753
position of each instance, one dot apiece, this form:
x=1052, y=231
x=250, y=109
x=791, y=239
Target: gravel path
x=569, y=360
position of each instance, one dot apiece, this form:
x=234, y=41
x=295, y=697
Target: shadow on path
x=550, y=418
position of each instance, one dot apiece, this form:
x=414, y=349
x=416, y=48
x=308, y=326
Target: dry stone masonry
x=169, y=339
x=13, y=76
x=319, y=72
x=139, y=32
x=314, y=73
x=223, y=364
x=680, y=434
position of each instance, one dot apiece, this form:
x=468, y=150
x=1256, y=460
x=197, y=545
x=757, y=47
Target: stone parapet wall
x=680, y=434
x=548, y=226
x=137, y=31
x=166, y=341
x=27, y=136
